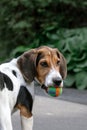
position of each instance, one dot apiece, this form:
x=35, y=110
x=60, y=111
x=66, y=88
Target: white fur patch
x=8, y=98
x=5, y=113
x=52, y=75
x=27, y=123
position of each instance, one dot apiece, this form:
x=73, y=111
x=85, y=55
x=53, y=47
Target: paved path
x=68, y=112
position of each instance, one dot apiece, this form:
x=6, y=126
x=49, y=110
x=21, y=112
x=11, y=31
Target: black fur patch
x=13, y=71
x=1, y=81
x=8, y=82
x=5, y=79
x=40, y=56
x=25, y=98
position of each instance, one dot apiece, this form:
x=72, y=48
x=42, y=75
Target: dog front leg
x=26, y=118
x=27, y=123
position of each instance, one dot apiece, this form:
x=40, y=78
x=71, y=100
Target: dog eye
x=44, y=64
x=58, y=62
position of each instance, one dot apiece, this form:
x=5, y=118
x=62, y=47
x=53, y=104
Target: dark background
x=26, y=24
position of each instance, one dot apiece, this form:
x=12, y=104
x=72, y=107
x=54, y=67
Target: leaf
x=21, y=24
x=82, y=64
x=68, y=57
x=81, y=80
x=19, y=50
x=52, y=36
x=59, y=45
x=76, y=70
x=79, y=57
x=69, y=81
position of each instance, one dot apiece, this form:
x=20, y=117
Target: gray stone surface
x=67, y=112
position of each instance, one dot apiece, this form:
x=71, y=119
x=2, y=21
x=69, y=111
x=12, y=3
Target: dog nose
x=57, y=81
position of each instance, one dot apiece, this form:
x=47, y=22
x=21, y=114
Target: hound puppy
x=45, y=65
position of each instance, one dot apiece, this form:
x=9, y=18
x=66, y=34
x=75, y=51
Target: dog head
x=45, y=64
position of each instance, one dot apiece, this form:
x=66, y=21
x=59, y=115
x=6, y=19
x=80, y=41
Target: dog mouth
x=46, y=87
x=51, y=86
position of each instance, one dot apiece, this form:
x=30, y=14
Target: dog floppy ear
x=27, y=64
x=63, y=65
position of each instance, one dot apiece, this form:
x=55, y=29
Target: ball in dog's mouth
x=53, y=91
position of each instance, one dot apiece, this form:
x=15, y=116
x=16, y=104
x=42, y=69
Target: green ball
x=54, y=91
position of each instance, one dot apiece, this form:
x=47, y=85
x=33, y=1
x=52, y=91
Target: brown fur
x=30, y=69
x=24, y=111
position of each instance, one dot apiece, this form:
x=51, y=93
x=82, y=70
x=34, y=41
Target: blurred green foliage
x=26, y=24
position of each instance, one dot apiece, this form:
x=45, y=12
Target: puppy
x=45, y=65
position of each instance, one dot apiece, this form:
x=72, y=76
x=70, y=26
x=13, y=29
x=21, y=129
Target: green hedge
x=28, y=24
x=73, y=44
x=25, y=22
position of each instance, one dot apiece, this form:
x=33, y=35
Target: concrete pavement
x=68, y=112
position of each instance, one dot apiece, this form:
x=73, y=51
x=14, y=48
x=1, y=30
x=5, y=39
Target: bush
x=73, y=44
x=28, y=24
